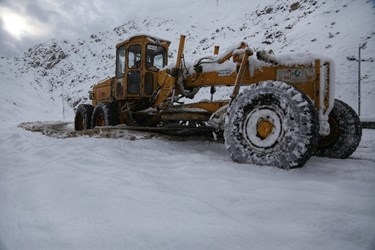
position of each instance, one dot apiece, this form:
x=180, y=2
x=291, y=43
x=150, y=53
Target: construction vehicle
x=279, y=112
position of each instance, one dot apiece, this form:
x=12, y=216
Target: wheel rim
x=262, y=127
x=326, y=141
x=100, y=121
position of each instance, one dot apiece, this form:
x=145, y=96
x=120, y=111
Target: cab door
x=156, y=59
x=120, y=71
x=134, y=64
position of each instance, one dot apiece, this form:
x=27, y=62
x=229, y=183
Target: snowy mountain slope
x=23, y=98
x=332, y=28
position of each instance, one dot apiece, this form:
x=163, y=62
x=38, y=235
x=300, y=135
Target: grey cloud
x=37, y=12
x=71, y=19
x=14, y=5
x=9, y=46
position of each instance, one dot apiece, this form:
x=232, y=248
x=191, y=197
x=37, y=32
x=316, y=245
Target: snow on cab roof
x=152, y=38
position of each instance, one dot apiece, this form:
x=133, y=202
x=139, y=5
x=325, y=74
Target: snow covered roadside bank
x=89, y=193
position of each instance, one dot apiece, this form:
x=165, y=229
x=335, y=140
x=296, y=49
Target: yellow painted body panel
x=166, y=84
x=102, y=91
x=310, y=86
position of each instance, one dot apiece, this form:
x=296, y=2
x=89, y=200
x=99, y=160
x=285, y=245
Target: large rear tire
x=105, y=114
x=82, y=119
x=271, y=123
x=345, y=133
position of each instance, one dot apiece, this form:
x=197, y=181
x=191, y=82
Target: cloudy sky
x=23, y=23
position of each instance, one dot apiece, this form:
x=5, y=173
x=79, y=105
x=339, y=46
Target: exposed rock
x=294, y=6
x=44, y=56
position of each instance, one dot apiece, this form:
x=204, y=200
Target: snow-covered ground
x=156, y=192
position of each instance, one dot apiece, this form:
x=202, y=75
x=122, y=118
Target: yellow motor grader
x=279, y=112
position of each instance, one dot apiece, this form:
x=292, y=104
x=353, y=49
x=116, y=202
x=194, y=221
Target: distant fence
x=368, y=123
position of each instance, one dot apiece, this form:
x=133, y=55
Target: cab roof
x=144, y=38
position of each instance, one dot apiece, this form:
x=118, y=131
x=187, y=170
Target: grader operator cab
x=285, y=113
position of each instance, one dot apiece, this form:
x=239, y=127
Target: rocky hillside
x=332, y=28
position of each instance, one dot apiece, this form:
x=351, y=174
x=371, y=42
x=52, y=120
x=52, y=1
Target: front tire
x=82, y=119
x=271, y=123
x=105, y=114
x=345, y=133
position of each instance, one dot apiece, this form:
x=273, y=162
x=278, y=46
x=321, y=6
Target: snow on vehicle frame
x=286, y=114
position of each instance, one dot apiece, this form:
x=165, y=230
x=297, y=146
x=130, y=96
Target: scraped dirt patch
x=62, y=130
x=66, y=130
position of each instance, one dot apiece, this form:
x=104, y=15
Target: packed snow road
x=160, y=193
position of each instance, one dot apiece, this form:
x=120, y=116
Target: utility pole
x=361, y=46
x=62, y=100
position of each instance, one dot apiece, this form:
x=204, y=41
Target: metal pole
x=62, y=101
x=359, y=80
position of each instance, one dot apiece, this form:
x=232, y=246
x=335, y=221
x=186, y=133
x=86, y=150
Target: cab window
x=156, y=57
x=120, y=62
x=134, y=56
